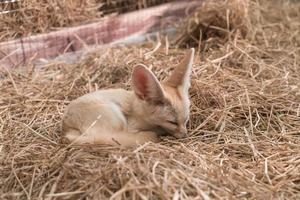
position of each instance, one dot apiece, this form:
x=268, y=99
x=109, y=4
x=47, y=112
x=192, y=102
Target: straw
x=244, y=128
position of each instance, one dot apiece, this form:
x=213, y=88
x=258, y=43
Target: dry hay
x=40, y=16
x=244, y=129
x=215, y=20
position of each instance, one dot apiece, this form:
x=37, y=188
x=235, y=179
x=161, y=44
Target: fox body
x=128, y=118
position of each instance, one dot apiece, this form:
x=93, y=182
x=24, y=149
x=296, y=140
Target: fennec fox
x=128, y=118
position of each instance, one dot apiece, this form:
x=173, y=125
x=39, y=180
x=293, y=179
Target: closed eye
x=172, y=122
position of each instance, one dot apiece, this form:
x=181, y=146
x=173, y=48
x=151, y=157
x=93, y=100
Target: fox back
x=128, y=118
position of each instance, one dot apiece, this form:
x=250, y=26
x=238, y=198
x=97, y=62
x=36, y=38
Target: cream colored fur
x=128, y=118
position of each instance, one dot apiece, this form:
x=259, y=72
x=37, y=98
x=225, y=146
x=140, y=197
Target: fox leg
x=134, y=139
x=122, y=138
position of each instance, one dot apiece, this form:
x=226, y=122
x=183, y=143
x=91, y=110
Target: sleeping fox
x=129, y=118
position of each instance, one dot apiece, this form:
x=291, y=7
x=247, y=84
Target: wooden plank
x=17, y=52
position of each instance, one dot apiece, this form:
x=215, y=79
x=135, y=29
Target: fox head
x=165, y=106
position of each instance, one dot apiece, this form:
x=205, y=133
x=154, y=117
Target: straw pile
x=36, y=16
x=215, y=22
x=244, y=138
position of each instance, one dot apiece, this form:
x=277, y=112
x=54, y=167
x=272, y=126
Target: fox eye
x=172, y=122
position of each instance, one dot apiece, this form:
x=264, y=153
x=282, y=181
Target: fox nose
x=182, y=133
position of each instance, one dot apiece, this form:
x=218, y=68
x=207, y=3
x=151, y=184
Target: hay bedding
x=244, y=130
x=41, y=16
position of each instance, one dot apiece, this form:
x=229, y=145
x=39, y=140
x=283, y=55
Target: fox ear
x=181, y=74
x=146, y=86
